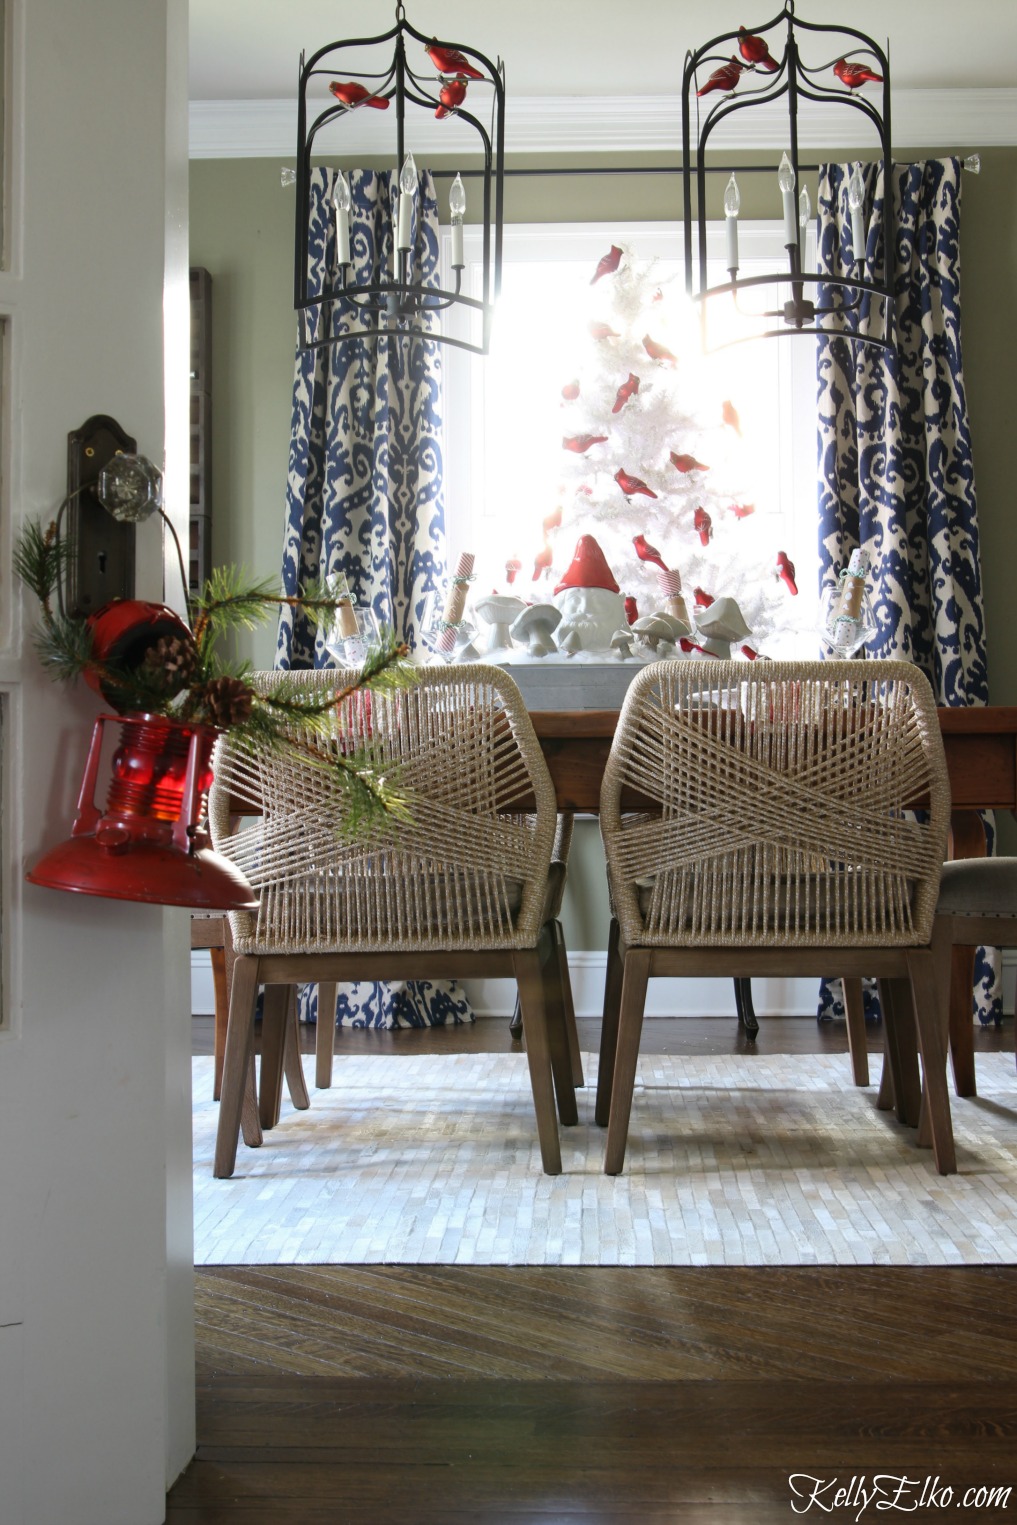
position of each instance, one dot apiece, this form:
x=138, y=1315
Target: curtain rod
x=972, y=162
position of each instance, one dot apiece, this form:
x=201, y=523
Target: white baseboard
x=665, y=998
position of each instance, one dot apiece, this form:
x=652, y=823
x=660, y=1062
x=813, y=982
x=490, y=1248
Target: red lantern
x=151, y=842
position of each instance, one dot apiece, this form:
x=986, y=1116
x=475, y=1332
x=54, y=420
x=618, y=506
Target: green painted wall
x=241, y=222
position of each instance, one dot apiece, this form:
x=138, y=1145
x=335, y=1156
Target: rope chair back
x=467, y=870
x=779, y=805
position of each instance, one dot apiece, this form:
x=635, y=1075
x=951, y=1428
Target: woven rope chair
x=463, y=889
x=755, y=821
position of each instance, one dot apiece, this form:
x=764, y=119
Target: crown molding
x=954, y=119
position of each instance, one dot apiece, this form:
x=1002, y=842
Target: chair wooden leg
x=222, y=1016
x=565, y=984
x=962, y=1021
x=292, y=1062
x=901, y=1047
x=854, y=1011
x=885, y=1100
x=609, y=1025
x=237, y=1065
x=557, y=1035
x=273, y=1041
x=324, y=1037
x=526, y=963
x=932, y=1023
x=630, y=1026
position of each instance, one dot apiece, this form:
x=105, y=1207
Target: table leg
x=967, y=840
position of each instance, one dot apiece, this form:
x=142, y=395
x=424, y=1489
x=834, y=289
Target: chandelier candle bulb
x=457, y=208
x=342, y=202
x=856, y=201
x=407, y=193
x=786, y=181
x=732, y=206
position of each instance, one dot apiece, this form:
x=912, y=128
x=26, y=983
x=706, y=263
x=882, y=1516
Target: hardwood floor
x=590, y=1396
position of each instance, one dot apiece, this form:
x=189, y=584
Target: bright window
x=504, y=413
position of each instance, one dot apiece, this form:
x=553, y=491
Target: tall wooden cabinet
x=200, y=560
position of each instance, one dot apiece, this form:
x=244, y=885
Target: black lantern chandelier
x=390, y=300
x=754, y=66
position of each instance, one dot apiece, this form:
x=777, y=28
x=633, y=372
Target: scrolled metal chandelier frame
x=771, y=55
x=391, y=302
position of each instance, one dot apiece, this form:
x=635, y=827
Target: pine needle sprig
x=39, y=559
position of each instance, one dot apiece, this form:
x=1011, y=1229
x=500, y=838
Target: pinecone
x=170, y=664
x=227, y=701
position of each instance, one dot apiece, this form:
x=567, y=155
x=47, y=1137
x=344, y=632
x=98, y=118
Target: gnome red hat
x=588, y=569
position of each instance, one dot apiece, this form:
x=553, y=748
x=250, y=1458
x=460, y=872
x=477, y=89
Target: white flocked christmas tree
x=652, y=448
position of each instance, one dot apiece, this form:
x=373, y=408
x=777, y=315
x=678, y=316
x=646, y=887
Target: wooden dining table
x=981, y=758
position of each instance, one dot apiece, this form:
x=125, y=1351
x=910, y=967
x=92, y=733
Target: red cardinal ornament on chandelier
x=686, y=463
x=657, y=351
x=450, y=60
x=786, y=573
x=602, y=331
x=580, y=443
x=854, y=75
x=725, y=78
x=755, y=51
x=608, y=265
x=352, y=93
x=451, y=95
x=570, y=391
x=625, y=391
x=703, y=525
x=647, y=552
x=630, y=485
x=631, y=610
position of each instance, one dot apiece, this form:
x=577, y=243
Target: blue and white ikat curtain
x=895, y=466
x=364, y=492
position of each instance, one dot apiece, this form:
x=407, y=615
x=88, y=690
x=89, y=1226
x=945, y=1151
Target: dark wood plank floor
x=590, y=1396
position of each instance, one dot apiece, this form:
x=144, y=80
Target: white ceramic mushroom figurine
x=533, y=628
x=657, y=630
x=719, y=625
x=498, y=610
x=622, y=642
x=570, y=643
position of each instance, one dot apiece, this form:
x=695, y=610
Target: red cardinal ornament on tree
x=608, y=265
x=451, y=95
x=351, y=93
x=512, y=567
x=541, y=561
x=748, y=652
x=729, y=413
x=755, y=51
x=451, y=61
x=630, y=485
x=854, y=75
x=657, y=351
x=786, y=573
x=602, y=331
x=702, y=598
x=580, y=443
x=631, y=610
x=588, y=568
x=703, y=525
x=647, y=552
x=570, y=391
x=743, y=510
x=686, y=463
x=625, y=391
x=725, y=78
x=552, y=522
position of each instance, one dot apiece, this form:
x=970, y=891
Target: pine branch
x=39, y=559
